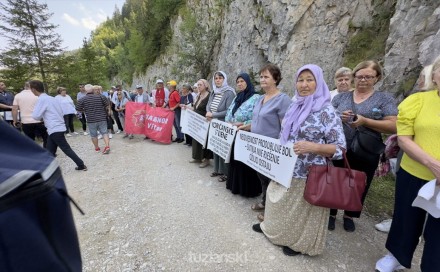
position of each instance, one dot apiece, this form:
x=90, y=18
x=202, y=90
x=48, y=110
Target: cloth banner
x=153, y=122
x=196, y=126
x=266, y=155
x=184, y=120
x=221, y=137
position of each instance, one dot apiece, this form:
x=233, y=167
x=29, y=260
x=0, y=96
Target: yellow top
x=419, y=116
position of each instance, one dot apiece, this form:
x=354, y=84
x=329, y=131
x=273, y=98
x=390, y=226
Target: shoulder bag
x=366, y=143
x=335, y=187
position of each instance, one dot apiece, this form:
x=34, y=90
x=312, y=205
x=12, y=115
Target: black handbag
x=366, y=143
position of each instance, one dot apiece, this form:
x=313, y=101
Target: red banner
x=155, y=123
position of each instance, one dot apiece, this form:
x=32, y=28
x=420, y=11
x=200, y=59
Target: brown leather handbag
x=335, y=187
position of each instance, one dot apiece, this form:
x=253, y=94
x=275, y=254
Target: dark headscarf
x=245, y=94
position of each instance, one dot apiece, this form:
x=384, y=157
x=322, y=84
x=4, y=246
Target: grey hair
x=88, y=88
x=343, y=71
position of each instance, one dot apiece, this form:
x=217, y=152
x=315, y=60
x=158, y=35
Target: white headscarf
x=225, y=87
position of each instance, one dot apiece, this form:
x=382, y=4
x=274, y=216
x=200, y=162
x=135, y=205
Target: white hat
x=159, y=81
x=139, y=87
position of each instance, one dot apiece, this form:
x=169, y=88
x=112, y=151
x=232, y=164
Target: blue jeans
x=177, y=123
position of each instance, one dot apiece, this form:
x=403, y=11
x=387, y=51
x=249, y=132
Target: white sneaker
x=117, y=132
x=68, y=135
x=384, y=226
x=388, y=264
x=99, y=136
x=76, y=133
x=85, y=133
x=110, y=136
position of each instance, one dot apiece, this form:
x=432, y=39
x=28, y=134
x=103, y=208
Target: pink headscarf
x=304, y=105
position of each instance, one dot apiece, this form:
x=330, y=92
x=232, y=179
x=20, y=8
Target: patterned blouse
x=324, y=127
x=244, y=112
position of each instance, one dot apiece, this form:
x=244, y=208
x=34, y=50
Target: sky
x=76, y=19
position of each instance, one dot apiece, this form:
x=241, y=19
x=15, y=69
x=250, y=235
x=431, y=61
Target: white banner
x=184, y=120
x=266, y=155
x=196, y=126
x=221, y=137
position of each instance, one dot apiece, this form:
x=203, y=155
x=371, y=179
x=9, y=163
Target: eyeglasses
x=365, y=77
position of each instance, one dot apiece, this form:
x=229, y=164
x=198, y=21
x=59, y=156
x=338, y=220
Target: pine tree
x=25, y=24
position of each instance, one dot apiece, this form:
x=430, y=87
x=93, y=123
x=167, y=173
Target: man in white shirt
x=25, y=102
x=141, y=97
x=48, y=109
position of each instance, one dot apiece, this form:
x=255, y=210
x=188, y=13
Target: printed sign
x=221, y=137
x=184, y=120
x=153, y=122
x=196, y=126
x=266, y=155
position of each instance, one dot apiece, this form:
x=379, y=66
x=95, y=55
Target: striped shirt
x=215, y=102
x=94, y=106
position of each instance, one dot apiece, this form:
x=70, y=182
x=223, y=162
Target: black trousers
x=57, y=139
x=361, y=164
x=36, y=129
x=83, y=121
x=68, y=120
x=407, y=226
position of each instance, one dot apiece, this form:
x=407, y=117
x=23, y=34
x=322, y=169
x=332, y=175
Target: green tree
x=25, y=24
x=16, y=70
x=93, y=67
x=197, y=47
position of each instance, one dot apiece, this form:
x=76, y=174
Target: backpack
x=37, y=231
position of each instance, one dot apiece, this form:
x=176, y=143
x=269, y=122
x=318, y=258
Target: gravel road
x=148, y=209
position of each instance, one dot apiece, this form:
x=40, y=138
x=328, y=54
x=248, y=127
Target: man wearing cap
x=141, y=97
x=160, y=95
x=174, y=103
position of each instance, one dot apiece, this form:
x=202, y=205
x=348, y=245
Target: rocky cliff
x=291, y=33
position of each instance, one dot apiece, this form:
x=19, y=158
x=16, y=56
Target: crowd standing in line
x=320, y=123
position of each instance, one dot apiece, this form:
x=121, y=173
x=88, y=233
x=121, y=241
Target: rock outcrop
x=291, y=33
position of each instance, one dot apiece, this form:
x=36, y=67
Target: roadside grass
x=380, y=198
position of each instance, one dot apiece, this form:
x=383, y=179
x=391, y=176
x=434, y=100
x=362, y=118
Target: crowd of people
x=320, y=123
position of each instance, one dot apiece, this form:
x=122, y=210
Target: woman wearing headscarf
x=242, y=179
x=312, y=125
x=219, y=101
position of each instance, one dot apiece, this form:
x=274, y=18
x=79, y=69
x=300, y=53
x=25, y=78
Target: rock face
x=414, y=41
x=291, y=33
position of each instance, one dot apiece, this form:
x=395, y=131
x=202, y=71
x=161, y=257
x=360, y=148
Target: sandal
x=214, y=174
x=260, y=217
x=257, y=207
x=222, y=178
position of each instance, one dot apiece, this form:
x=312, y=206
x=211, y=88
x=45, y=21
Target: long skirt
x=289, y=220
x=242, y=179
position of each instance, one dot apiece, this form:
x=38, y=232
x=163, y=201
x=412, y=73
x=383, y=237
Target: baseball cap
x=159, y=81
x=139, y=87
x=172, y=83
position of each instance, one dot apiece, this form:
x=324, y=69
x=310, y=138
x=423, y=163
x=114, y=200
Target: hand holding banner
x=196, y=126
x=266, y=155
x=155, y=123
x=221, y=137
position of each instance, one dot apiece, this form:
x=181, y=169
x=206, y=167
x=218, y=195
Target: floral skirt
x=289, y=220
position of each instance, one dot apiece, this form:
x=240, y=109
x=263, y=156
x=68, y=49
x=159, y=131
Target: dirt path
x=148, y=209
